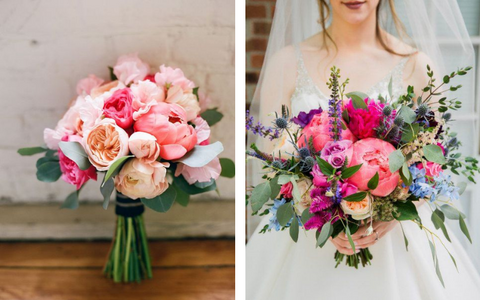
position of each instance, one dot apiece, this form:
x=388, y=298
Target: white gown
x=278, y=268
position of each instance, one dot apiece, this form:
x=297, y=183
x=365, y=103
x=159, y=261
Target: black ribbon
x=127, y=207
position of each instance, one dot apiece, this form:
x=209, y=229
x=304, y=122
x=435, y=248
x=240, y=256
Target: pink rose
x=348, y=189
x=319, y=130
x=167, y=122
x=373, y=154
x=139, y=179
x=206, y=173
x=145, y=95
x=202, y=129
x=319, y=179
x=286, y=190
x=143, y=145
x=168, y=77
x=71, y=173
x=130, y=68
x=186, y=100
x=431, y=169
x=85, y=85
x=335, y=152
x=105, y=143
x=119, y=108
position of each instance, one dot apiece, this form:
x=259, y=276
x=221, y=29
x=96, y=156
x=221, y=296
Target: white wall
x=47, y=46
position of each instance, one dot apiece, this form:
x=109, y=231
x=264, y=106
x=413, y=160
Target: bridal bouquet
x=149, y=134
x=363, y=160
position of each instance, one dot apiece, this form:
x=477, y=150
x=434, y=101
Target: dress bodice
x=308, y=96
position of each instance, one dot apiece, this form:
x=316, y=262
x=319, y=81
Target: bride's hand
x=360, y=239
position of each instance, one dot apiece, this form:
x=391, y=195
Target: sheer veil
x=435, y=27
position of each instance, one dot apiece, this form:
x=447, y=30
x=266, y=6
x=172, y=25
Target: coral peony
x=206, y=173
x=139, y=179
x=130, y=68
x=105, y=143
x=319, y=130
x=168, y=123
x=71, y=173
x=373, y=154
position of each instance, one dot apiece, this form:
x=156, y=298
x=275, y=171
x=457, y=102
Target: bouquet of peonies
x=360, y=161
x=149, y=134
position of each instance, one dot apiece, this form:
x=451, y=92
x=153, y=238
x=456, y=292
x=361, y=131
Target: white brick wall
x=47, y=46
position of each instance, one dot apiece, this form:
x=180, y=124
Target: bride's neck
x=353, y=35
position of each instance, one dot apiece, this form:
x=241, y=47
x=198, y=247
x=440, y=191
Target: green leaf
x=406, y=211
x=116, y=167
x=72, y=201
x=409, y=132
x=260, y=195
x=345, y=116
x=282, y=179
x=350, y=240
x=306, y=215
x=325, y=167
x=195, y=92
x=406, y=175
x=349, y=172
x=75, y=151
x=439, y=273
x=408, y=115
x=294, y=228
x=325, y=233
x=451, y=212
x=295, y=191
x=434, y=154
x=274, y=187
x=438, y=220
x=49, y=171
x=228, y=167
x=285, y=214
x=204, y=185
x=199, y=156
x=182, y=198
x=462, y=186
x=404, y=236
x=396, y=160
x=373, y=182
x=107, y=190
x=212, y=116
x=45, y=159
x=182, y=184
x=463, y=227
x=358, y=99
x=31, y=151
x=162, y=203
x=113, y=77
x=357, y=197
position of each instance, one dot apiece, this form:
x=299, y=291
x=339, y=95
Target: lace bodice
x=308, y=96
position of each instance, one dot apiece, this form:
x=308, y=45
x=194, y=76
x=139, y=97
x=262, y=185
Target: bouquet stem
x=129, y=258
x=364, y=257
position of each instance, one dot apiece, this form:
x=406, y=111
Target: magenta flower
x=319, y=179
x=363, y=122
x=320, y=202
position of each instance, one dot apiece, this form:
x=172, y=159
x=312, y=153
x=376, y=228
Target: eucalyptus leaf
x=191, y=189
x=75, y=151
x=285, y=214
x=295, y=191
x=199, y=156
x=49, y=171
x=183, y=198
x=350, y=240
x=107, y=190
x=462, y=186
x=283, y=179
x=306, y=215
x=162, y=203
x=71, y=202
x=274, y=187
x=404, y=236
x=434, y=154
x=31, y=151
x=294, y=228
x=408, y=115
x=358, y=99
x=451, y=212
x=45, y=159
x=204, y=185
x=395, y=160
x=325, y=233
x=228, y=168
x=464, y=228
x=406, y=175
x=438, y=220
x=212, y=116
x=409, y=132
x=260, y=195
x=115, y=167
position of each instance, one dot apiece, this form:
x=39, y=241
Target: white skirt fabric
x=278, y=268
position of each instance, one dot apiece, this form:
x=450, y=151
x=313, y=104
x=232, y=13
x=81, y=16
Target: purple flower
x=303, y=119
x=335, y=152
x=320, y=202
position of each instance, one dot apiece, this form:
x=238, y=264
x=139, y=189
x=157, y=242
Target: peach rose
x=130, y=68
x=105, y=143
x=358, y=210
x=186, y=100
x=143, y=145
x=139, y=179
x=373, y=154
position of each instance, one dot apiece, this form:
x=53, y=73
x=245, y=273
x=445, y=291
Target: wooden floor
x=184, y=270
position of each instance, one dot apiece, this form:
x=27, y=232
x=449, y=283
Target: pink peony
x=130, y=68
x=167, y=122
x=319, y=130
x=335, y=152
x=168, y=77
x=187, y=100
x=373, y=154
x=206, y=173
x=119, y=108
x=71, y=173
x=363, y=122
x=85, y=85
x=431, y=169
x=203, y=131
x=286, y=190
x=145, y=94
x=143, y=145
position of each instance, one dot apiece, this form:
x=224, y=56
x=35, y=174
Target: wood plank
x=93, y=254
x=80, y=284
x=91, y=221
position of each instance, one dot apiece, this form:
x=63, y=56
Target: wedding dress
x=278, y=268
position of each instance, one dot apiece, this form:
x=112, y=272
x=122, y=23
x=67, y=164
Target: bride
x=308, y=38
